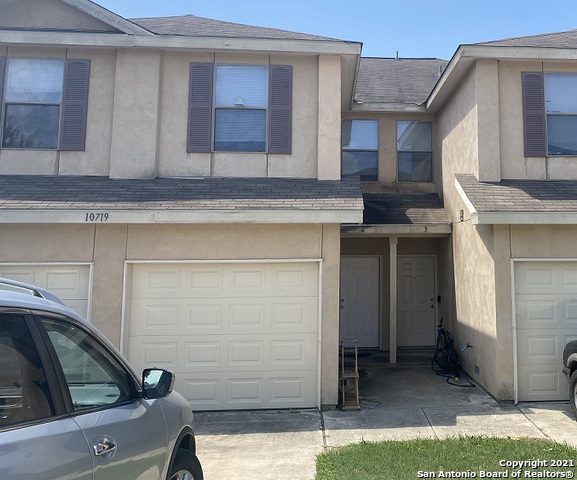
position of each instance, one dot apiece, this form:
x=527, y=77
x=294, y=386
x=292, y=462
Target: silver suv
x=72, y=407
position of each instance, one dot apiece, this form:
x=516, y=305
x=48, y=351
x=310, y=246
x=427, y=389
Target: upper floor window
x=414, y=151
x=241, y=101
x=44, y=103
x=32, y=103
x=561, y=111
x=360, y=145
x=240, y=108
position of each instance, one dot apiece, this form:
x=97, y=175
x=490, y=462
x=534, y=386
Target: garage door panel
x=546, y=277
x=249, y=390
x=536, y=348
x=236, y=335
x=239, y=315
x=214, y=352
x=70, y=283
x=542, y=384
x=546, y=311
x=546, y=319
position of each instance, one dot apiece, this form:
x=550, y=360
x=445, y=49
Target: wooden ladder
x=349, y=372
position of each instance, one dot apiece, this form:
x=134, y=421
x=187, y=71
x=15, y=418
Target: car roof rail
x=31, y=289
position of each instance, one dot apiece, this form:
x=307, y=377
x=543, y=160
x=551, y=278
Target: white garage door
x=237, y=336
x=546, y=316
x=70, y=283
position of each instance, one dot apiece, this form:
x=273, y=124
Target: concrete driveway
x=398, y=402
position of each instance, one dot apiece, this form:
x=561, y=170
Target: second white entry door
x=360, y=300
x=416, y=312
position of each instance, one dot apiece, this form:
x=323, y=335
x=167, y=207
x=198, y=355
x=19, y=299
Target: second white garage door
x=237, y=335
x=546, y=319
x=70, y=283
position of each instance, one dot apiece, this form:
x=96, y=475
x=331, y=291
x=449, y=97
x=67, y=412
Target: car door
x=126, y=433
x=38, y=440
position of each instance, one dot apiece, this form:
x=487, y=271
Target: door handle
x=105, y=446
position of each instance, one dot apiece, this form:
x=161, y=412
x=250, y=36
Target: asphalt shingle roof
x=193, y=26
x=557, y=196
x=548, y=40
x=27, y=192
x=392, y=80
x=404, y=209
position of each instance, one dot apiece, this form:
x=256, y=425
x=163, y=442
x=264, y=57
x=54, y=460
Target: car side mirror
x=157, y=383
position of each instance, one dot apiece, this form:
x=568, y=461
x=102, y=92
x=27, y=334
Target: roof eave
x=167, y=42
x=183, y=216
x=466, y=55
x=424, y=230
x=388, y=107
x=524, y=218
x=513, y=217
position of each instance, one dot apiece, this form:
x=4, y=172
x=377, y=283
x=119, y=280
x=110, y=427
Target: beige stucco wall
x=514, y=165
x=135, y=114
x=175, y=161
x=137, y=119
x=457, y=128
x=470, y=131
x=329, y=118
x=41, y=14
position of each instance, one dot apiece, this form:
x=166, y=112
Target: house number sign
x=96, y=217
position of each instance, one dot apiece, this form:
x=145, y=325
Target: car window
x=24, y=393
x=94, y=377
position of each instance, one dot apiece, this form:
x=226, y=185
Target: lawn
x=464, y=457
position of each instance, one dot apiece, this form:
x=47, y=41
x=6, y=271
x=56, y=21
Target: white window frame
x=6, y=101
x=415, y=151
x=240, y=105
x=352, y=148
x=561, y=106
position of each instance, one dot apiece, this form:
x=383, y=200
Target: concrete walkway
x=399, y=402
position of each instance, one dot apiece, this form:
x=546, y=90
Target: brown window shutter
x=534, y=114
x=200, y=108
x=280, y=109
x=74, y=105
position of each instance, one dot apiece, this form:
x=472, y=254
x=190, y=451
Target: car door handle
x=104, y=446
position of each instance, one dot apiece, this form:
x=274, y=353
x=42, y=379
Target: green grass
x=400, y=460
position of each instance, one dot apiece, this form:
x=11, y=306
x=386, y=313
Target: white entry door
x=360, y=300
x=416, y=304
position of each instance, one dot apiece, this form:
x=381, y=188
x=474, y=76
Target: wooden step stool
x=349, y=372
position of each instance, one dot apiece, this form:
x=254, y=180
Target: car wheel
x=573, y=392
x=186, y=466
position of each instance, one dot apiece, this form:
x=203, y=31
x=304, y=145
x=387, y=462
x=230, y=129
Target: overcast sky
x=413, y=28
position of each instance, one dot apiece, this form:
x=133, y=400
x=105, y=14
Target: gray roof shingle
x=26, y=192
x=392, y=80
x=520, y=196
x=566, y=39
x=404, y=209
x=193, y=26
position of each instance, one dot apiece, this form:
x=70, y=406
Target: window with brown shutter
x=240, y=108
x=44, y=103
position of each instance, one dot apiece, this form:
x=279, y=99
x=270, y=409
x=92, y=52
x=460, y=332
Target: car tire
x=186, y=466
x=573, y=392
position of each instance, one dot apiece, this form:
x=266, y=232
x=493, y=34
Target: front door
x=360, y=300
x=416, y=312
